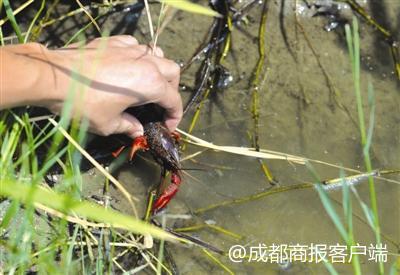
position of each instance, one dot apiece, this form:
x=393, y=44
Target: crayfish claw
x=168, y=193
x=165, y=198
x=139, y=143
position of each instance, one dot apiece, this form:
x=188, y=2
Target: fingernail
x=172, y=124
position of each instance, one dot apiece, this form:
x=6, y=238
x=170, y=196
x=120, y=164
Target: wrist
x=52, y=82
x=30, y=77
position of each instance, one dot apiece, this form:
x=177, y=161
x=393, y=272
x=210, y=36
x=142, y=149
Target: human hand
x=113, y=74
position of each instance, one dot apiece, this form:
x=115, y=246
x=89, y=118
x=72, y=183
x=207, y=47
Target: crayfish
x=163, y=145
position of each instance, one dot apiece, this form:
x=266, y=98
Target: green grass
x=345, y=225
x=14, y=24
x=58, y=231
x=54, y=230
x=49, y=246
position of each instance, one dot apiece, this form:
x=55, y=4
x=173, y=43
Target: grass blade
x=330, y=268
x=34, y=21
x=11, y=17
x=326, y=201
x=191, y=7
x=10, y=214
x=66, y=204
x=371, y=103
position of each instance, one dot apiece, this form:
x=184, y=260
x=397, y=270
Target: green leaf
x=326, y=201
x=66, y=204
x=395, y=268
x=347, y=206
x=371, y=104
x=10, y=213
x=369, y=214
x=14, y=24
x=191, y=7
x=70, y=252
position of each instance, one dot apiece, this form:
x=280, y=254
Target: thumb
x=129, y=125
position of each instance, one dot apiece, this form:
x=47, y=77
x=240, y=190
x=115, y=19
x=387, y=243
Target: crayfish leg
x=117, y=152
x=175, y=135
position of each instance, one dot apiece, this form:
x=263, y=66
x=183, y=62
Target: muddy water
x=299, y=116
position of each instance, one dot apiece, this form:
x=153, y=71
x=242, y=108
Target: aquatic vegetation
x=256, y=75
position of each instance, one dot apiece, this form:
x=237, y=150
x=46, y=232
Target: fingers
x=163, y=77
x=148, y=51
x=172, y=103
x=156, y=80
x=129, y=125
x=124, y=40
x=157, y=51
x=152, y=51
x=128, y=40
x=160, y=90
x=119, y=40
x=169, y=69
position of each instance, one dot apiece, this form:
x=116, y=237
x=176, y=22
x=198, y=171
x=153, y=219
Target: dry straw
x=128, y=196
x=244, y=151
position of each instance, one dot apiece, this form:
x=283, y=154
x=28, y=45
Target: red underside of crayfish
x=164, y=147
